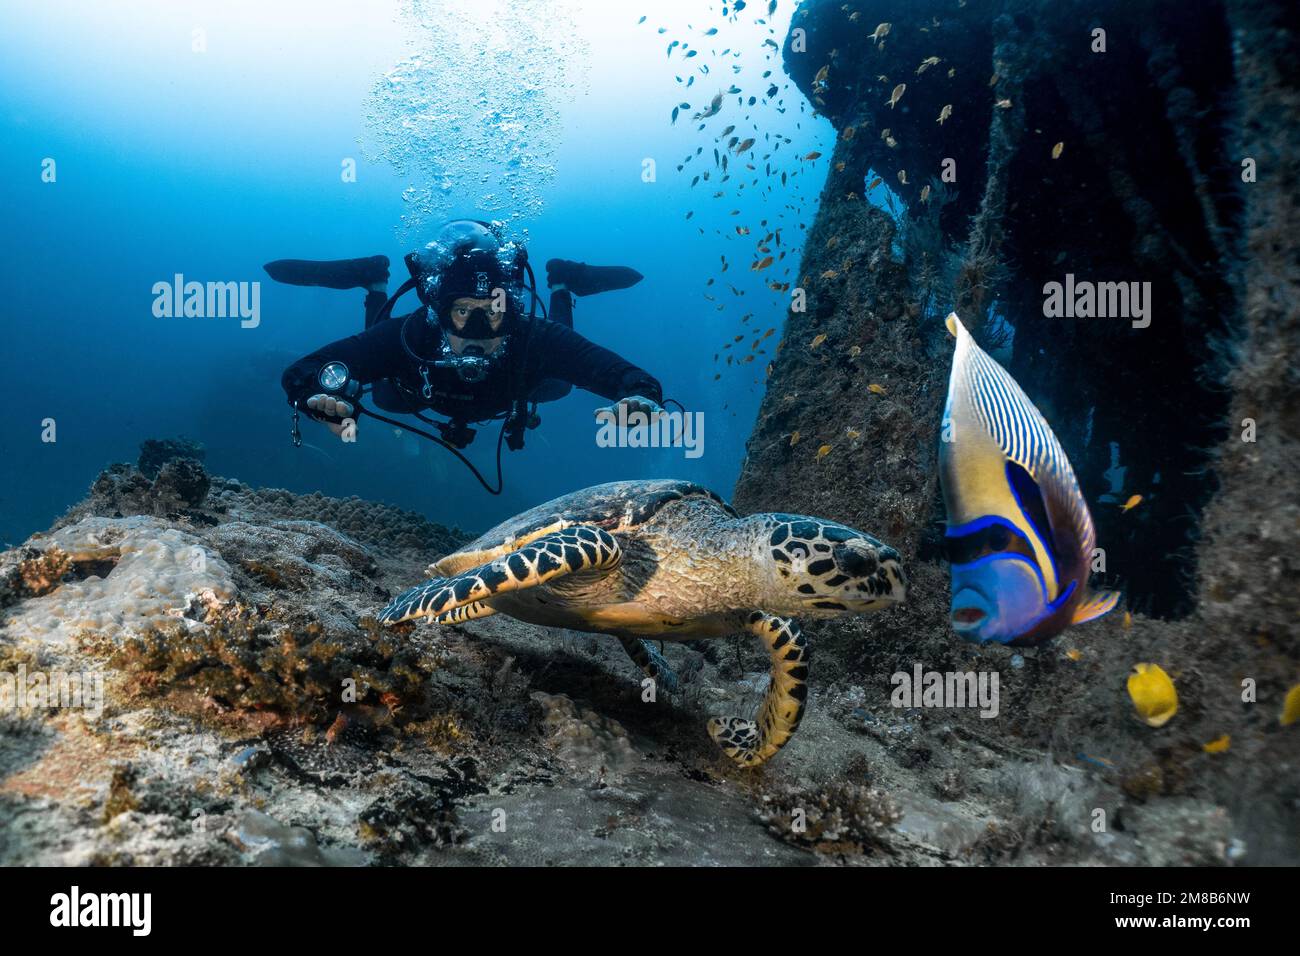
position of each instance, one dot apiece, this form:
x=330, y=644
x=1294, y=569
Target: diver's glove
x=633, y=403
x=331, y=411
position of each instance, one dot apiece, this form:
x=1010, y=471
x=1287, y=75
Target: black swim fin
x=331, y=273
x=582, y=279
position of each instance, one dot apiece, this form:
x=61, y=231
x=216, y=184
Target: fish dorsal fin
x=1023, y=435
x=1094, y=606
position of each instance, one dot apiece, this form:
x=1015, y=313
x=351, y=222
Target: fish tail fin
x=1094, y=606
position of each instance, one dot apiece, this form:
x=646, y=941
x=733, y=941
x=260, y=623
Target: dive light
x=336, y=379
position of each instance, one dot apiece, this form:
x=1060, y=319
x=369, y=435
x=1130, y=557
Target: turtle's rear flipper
x=751, y=742
x=331, y=273
x=647, y=657
x=580, y=548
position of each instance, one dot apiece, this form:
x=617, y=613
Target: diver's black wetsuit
x=554, y=352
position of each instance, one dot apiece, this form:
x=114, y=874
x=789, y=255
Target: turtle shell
x=616, y=506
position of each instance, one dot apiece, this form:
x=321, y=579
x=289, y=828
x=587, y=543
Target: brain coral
x=126, y=573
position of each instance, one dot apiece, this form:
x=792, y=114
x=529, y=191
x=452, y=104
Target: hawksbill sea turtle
x=669, y=560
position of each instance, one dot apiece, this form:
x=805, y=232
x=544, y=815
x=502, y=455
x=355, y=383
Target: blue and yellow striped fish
x=1019, y=534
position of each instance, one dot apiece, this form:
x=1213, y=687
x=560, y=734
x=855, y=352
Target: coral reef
x=273, y=724
x=841, y=818
x=157, y=452
x=119, y=576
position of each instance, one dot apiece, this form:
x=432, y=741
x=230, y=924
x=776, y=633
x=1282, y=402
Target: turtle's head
x=823, y=569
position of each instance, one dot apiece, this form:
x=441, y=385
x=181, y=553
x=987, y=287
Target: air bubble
x=472, y=117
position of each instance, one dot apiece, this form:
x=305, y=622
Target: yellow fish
x=823, y=452
x=1057, y=150
x=794, y=438
x=1218, y=745
x=1291, y=707
x=944, y=114
x=1132, y=503
x=876, y=389
x=925, y=193
x=817, y=340
x=1153, y=694
x=1019, y=534
x=855, y=351
x=928, y=62
x=1074, y=654
x=897, y=95
x=853, y=433
x=880, y=32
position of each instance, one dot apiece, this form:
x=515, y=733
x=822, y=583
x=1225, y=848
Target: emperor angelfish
x=1019, y=536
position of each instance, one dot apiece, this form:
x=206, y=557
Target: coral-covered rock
x=184, y=480
x=155, y=453
x=120, y=577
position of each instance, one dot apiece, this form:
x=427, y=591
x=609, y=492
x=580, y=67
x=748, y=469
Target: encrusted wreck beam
x=1250, y=551
x=848, y=425
x=1139, y=191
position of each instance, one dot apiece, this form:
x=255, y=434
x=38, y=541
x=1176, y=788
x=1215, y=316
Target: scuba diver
x=473, y=351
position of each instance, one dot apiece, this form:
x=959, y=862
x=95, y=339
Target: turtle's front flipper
x=647, y=657
x=580, y=548
x=749, y=742
x=469, y=612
